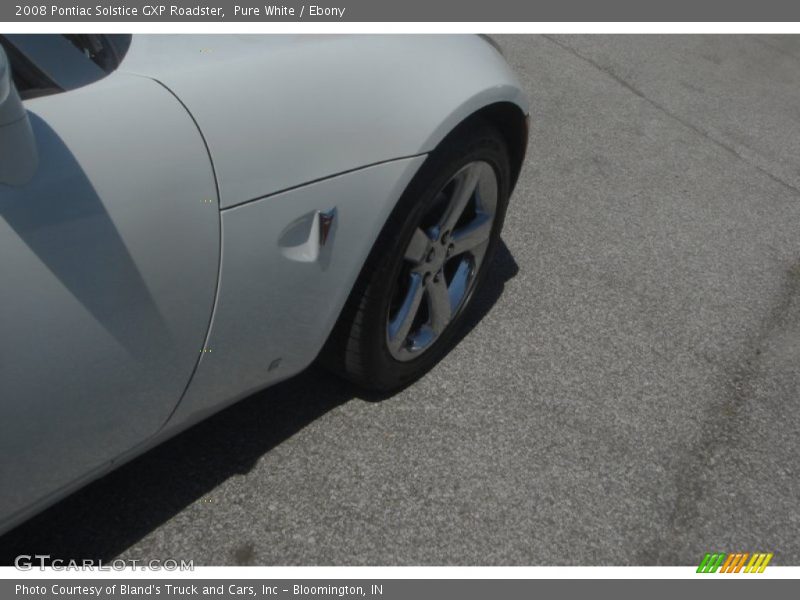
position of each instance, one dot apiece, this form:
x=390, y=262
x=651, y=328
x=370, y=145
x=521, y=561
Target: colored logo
x=734, y=563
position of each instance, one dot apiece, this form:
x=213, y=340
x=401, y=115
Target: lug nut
x=450, y=249
x=430, y=256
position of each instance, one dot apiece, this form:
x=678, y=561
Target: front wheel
x=428, y=262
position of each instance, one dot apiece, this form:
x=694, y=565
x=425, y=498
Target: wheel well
x=512, y=123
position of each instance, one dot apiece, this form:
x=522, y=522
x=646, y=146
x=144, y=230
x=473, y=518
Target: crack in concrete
x=688, y=124
x=775, y=48
x=720, y=430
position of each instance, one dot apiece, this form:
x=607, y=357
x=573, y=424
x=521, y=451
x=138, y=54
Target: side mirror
x=18, y=156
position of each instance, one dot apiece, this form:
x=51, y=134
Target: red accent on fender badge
x=326, y=218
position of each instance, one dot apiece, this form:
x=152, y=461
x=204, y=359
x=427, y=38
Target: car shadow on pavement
x=108, y=516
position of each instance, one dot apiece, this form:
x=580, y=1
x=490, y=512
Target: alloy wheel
x=442, y=261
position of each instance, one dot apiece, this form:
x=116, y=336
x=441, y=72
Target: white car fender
x=280, y=111
x=282, y=286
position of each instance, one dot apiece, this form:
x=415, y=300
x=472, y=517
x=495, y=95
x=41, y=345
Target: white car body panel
x=275, y=311
x=109, y=267
x=279, y=111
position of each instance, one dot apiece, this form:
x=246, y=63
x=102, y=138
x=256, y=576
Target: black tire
x=357, y=347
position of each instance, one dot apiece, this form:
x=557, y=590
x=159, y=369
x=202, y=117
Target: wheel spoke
x=400, y=325
x=459, y=284
x=415, y=253
x=472, y=235
x=439, y=304
x=466, y=182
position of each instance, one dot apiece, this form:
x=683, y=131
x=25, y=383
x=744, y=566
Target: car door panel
x=109, y=260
